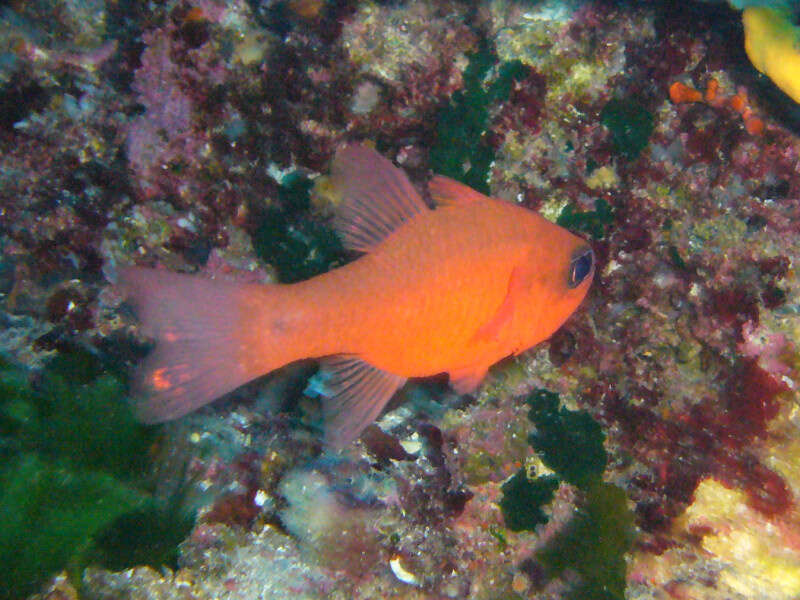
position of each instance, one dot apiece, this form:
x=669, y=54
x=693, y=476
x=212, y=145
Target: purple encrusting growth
x=163, y=136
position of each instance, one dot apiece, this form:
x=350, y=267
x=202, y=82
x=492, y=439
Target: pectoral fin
x=518, y=282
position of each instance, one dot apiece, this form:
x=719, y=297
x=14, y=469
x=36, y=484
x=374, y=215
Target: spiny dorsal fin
x=446, y=191
x=356, y=393
x=377, y=197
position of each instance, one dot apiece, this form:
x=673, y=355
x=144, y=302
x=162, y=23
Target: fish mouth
x=581, y=266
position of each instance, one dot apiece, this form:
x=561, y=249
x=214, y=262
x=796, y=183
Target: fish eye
x=580, y=266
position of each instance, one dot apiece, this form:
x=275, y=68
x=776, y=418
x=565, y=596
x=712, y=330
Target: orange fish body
x=452, y=290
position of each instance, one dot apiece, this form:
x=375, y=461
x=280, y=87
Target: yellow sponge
x=772, y=44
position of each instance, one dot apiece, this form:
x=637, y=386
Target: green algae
x=86, y=425
x=460, y=149
x=676, y=259
x=631, y=125
x=74, y=414
x=74, y=463
x=49, y=513
x=297, y=246
x=591, y=546
x=497, y=534
x=592, y=222
x=148, y=534
x=524, y=499
x=569, y=442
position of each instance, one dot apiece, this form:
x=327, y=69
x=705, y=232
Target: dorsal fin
x=377, y=197
x=446, y=191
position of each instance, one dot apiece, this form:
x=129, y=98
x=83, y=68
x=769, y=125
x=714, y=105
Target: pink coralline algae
x=166, y=143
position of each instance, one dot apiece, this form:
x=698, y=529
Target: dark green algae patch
x=460, y=149
x=630, y=124
x=73, y=465
x=287, y=238
x=593, y=223
x=593, y=544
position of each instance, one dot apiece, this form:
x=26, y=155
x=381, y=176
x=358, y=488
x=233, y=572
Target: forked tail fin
x=203, y=340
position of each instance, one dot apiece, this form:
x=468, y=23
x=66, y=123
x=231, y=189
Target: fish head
x=559, y=270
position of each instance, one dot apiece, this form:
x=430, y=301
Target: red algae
x=523, y=111
x=712, y=438
x=752, y=400
x=235, y=509
x=773, y=269
x=733, y=307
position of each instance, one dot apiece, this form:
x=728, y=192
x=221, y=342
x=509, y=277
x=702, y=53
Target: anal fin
x=356, y=394
x=467, y=380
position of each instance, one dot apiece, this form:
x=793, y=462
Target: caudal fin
x=200, y=348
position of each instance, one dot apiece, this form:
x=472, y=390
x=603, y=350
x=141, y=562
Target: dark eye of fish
x=580, y=267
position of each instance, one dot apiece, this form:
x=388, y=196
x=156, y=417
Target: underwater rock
x=173, y=136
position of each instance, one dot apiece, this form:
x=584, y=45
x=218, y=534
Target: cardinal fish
x=451, y=289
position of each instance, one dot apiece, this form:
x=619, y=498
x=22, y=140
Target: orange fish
x=452, y=289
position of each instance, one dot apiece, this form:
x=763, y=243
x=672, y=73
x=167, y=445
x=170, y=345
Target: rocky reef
x=649, y=449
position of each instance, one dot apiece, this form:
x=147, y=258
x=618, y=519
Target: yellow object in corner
x=772, y=44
